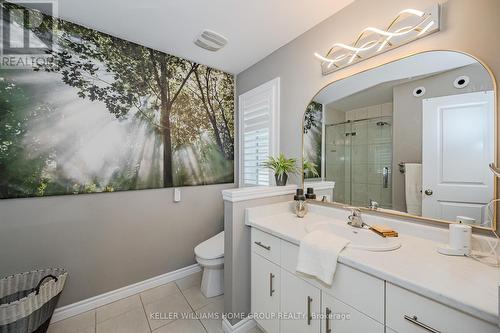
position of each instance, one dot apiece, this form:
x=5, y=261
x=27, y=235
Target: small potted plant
x=281, y=166
x=310, y=170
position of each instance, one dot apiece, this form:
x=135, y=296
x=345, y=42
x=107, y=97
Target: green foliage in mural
x=313, y=122
x=169, y=121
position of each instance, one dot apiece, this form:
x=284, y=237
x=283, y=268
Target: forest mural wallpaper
x=109, y=115
x=313, y=134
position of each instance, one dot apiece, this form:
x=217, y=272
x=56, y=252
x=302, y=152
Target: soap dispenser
x=310, y=194
x=300, y=203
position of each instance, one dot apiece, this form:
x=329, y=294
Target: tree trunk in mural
x=163, y=79
x=206, y=93
x=167, y=147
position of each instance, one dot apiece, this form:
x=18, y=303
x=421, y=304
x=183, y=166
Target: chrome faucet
x=373, y=205
x=355, y=218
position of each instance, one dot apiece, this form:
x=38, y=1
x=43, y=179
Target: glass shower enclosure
x=358, y=158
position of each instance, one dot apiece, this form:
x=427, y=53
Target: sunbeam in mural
x=313, y=136
x=109, y=115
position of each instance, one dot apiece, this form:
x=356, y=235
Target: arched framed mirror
x=412, y=137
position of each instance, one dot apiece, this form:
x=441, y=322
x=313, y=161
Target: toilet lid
x=212, y=248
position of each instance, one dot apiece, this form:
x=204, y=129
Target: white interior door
x=457, y=146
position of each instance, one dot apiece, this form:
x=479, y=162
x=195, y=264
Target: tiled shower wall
x=356, y=162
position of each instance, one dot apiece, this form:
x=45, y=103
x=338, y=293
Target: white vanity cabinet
x=355, y=302
x=304, y=303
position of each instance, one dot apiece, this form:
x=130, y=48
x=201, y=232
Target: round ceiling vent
x=419, y=91
x=461, y=82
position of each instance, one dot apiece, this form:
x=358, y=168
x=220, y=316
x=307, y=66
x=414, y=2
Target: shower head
x=383, y=123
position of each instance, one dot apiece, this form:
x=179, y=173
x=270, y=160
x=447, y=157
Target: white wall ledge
x=257, y=192
x=319, y=184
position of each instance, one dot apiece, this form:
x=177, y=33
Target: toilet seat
x=212, y=263
x=212, y=248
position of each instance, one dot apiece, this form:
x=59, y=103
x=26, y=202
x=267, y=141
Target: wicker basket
x=28, y=300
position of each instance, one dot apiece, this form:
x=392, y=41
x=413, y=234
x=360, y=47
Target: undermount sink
x=361, y=238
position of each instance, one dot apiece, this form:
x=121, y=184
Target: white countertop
x=459, y=282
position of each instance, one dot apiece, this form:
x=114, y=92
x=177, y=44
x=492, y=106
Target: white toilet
x=210, y=255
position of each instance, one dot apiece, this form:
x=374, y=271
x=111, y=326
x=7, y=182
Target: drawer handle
x=414, y=320
x=309, y=316
x=271, y=289
x=328, y=314
x=263, y=246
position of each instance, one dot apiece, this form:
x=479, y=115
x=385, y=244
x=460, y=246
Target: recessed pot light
x=419, y=91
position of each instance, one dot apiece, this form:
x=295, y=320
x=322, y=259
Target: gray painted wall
x=407, y=129
x=466, y=26
x=108, y=240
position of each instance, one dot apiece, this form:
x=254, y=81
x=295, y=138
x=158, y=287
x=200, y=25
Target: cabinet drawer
x=357, y=289
x=290, y=255
x=411, y=313
x=266, y=245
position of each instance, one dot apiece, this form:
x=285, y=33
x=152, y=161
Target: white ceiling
x=255, y=28
x=375, y=95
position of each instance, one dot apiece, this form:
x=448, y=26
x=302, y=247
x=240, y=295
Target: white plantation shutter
x=259, y=121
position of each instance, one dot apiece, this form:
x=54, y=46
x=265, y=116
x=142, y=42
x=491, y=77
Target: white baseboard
x=242, y=326
x=115, y=295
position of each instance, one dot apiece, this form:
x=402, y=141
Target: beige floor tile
x=193, y=280
x=152, y=295
x=129, y=322
x=83, y=323
x=211, y=316
x=90, y=329
x=117, y=308
x=166, y=309
x=255, y=330
x=182, y=326
x=196, y=299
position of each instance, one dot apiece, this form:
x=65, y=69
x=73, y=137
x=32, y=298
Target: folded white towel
x=318, y=254
x=413, y=188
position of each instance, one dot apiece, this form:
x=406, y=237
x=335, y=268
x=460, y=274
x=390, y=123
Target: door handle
x=271, y=289
x=429, y=192
x=328, y=313
x=414, y=320
x=309, y=315
x=385, y=177
x=263, y=246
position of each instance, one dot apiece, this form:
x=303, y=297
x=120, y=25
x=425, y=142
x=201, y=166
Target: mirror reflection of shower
x=358, y=155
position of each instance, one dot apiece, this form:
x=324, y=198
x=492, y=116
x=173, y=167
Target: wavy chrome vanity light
x=372, y=41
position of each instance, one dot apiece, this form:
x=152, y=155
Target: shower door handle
x=385, y=177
